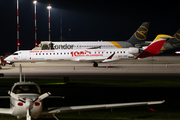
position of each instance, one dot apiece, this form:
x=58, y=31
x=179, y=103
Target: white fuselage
x=91, y=55
x=45, y=45
x=19, y=109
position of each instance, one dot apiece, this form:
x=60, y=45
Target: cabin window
x=49, y=53
x=54, y=53
x=26, y=88
x=15, y=54
x=46, y=53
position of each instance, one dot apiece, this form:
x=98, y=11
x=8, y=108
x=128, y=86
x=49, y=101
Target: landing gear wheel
x=13, y=65
x=95, y=64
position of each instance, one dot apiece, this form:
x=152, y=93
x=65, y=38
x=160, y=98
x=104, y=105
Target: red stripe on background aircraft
x=87, y=55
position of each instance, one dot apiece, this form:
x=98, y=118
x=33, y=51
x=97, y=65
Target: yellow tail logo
x=177, y=36
x=140, y=34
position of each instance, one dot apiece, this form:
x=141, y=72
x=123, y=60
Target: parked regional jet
x=87, y=55
x=26, y=101
x=137, y=38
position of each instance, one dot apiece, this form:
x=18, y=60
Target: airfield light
x=18, y=44
x=35, y=2
x=152, y=109
x=36, y=43
x=49, y=7
x=177, y=52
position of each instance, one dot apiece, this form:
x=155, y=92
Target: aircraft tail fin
x=171, y=42
x=176, y=37
x=175, y=40
x=153, y=49
x=140, y=35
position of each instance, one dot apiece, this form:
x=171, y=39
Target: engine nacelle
x=133, y=50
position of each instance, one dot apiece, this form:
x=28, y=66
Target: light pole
x=18, y=44
x=49, y=7
x=61, y=28
x=35, y=22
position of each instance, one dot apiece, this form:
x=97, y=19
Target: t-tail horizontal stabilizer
x=153, y=49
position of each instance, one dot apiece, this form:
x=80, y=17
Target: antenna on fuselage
x=20, y=73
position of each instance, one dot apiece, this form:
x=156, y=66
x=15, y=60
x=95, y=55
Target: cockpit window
x=26, y=88
x=15, y=54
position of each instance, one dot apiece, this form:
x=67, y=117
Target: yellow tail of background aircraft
x=172, y=42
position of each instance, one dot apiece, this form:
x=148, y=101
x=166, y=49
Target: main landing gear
x=95, y=64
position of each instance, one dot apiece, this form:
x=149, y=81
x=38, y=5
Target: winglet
x=153, y=49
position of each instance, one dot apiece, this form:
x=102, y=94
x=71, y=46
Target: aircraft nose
x=29, y=104
x=8, y=59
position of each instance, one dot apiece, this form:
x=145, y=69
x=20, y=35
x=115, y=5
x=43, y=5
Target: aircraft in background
x=26, y=101
x=87, y=55
x=137, y=38
x=172, y=42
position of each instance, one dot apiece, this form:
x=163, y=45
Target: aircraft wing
x=109, y=58
x=5, y=111
x=102, y=106
x=4, y=97
x=98, y=47
x=91, y=60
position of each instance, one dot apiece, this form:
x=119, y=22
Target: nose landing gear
x=95, y=64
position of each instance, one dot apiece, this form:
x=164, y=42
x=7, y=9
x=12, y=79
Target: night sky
x=88, y=20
